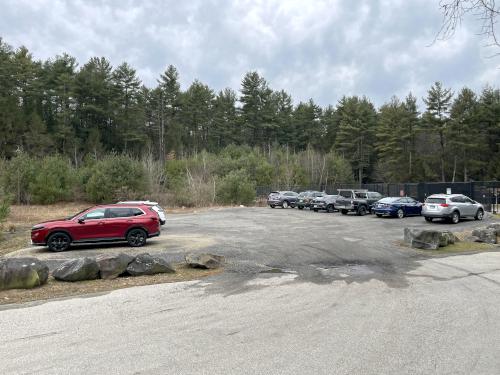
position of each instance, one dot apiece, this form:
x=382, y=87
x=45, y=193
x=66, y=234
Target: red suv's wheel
x=136, y=237
x=58, y=241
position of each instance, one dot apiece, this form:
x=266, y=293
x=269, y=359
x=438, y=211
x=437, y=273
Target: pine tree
x=463, y=140
x=94, y=97
x=196, y=116
x=129, y=109
x=170, y=133
x=356, y=134
x=226, y=125
x=436, y=118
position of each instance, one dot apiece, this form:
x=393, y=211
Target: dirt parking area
x=315, y=246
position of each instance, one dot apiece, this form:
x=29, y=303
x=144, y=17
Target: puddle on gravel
x=347, y=270
x=276, y=270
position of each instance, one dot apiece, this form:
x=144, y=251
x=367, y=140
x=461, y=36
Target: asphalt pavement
x=303, y=292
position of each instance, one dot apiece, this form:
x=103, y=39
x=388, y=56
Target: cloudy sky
x=311, y=48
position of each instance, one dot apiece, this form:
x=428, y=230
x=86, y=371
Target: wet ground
x=303, y=293
x=316, y=247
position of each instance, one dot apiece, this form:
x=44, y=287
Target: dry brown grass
x=15, y=233
x=32, y=214
x=59, y=289
x=16, y=229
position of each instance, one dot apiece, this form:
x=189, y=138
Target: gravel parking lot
x=303, y=292
x=317, y=247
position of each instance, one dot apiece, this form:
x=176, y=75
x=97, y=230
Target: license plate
x=432, y=207
x=315, y=206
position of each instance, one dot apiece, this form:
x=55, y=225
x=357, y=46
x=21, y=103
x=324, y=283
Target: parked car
x=397, y=207
x=133, y=223
x=284, y=199
x=154, y=205
x=452, y=207
x=306, y=198
x=356, y=200
x=326, y=202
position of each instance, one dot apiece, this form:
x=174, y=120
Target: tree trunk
x=454, y=168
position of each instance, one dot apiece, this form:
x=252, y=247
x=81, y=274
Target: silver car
x=452, y=207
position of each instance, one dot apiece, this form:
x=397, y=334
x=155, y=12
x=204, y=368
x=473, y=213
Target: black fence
x=485, y=192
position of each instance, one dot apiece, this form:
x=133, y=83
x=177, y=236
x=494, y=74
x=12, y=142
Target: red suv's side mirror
x=81, y=220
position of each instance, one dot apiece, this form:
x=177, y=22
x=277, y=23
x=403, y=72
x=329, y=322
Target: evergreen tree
x=356, y=134
x=306, y=129
x=226, y=125
x=463, y=140
x=170, y=133
x=94, y=96
x=196, y=116
x=489, y=126
x=129, y=109
x=436, y=118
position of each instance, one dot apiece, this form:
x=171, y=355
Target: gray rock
x=113, y=265
x=428, y=239
x=145, y=264
x=488, y=235
x=495, y=226
x=208, y=261
x=77, y=270
x=22, y=273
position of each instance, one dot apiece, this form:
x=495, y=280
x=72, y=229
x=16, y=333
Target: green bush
x=235, y=188
x=18, y=173
x=116, y=177
x=54, y=181
x=4, y=209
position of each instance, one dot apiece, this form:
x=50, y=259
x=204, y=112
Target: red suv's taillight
x=444, y=204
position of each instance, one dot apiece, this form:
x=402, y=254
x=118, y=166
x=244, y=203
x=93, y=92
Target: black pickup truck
x=358, y=201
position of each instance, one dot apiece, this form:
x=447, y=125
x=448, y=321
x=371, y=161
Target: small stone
x=207, y=261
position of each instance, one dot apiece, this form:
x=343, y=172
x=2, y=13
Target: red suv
x=133, y=223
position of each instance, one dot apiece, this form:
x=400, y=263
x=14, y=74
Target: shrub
x=18, y=174
x=235, y=188
x=53, y=181
x=116, y=177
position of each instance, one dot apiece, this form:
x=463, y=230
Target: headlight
x=37, y=227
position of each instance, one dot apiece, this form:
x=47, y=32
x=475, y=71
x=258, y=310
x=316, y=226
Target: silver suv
x=452, y=207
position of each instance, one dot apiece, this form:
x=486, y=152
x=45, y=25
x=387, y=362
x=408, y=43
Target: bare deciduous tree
x=485, y=11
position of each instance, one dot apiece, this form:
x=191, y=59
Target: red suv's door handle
x=101, y=223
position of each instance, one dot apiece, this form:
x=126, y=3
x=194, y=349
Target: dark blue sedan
x=397, y=207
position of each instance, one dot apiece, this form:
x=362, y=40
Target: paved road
x=303, y=293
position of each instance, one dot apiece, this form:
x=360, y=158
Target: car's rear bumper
x=348, y=207
x=154, y=234
x=318, y=206
x=274, y=203
x=384, y=212
x=437, y=214
x=38, y=243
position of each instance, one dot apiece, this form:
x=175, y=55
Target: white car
x=154, y=205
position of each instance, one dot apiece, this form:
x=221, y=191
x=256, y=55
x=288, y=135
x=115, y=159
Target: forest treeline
x=83, y=115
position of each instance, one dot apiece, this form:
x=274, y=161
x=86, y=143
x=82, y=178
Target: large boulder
x=496, y=227
x=22, y=273
x=145, y=264
x=488, y=235
x=428, y=239
x=77, y=270
x=113, y=265
x=208, y=261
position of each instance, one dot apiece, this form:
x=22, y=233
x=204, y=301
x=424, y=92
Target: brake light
x=444, y=204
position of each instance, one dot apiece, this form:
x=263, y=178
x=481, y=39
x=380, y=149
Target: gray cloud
x=312, y=49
